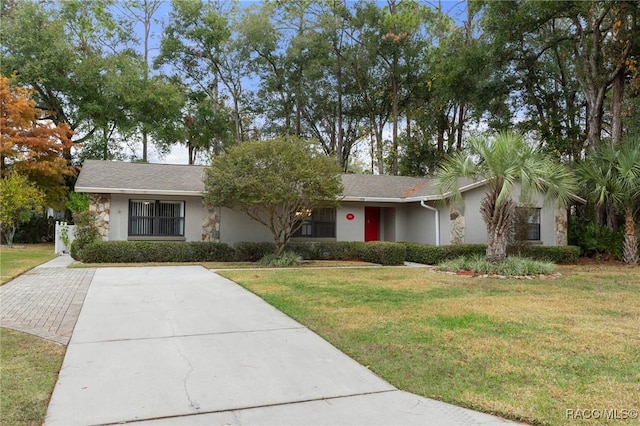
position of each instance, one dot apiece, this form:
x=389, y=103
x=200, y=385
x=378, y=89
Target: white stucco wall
x=119, y=217
x=350, y=230
x=476, y=229
x=236, y=226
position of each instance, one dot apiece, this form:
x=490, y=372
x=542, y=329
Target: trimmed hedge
x=326, y=250
x=247, y=251
x=432, y=255
x=555, y=254
x=155, y=251
x=382, y=252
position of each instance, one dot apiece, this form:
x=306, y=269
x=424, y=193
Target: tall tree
x=506, y=162
x=198, y=44
x=549, y=44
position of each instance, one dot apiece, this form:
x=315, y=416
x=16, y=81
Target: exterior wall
x=100, y=206
x=476, y=229
x=236, y=226
x=420, y=224
x=350, y=230
x=119, y=223
x=389, y=223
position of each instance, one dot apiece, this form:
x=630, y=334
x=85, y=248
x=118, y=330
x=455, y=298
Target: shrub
x=425, y=253
x=286, y=259
x=155, y=251
x=511, y=266
x=247, y=251
x=433, y=255
x=39, y=229
x=383, y=252
x=596, y=240
x=86, y=234
x=457, y=250
x=327, y=250
x=555, y=254
x=520, y=266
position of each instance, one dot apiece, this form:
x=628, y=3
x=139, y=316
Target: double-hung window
x=531, y=223
x=156, y=218
x=319, y=223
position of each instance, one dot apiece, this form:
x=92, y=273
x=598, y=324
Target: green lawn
x=14, y=261
x=29, y=368
x=28, y=365
x=524, y=349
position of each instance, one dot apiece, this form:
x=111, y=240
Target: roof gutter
x=437, y=214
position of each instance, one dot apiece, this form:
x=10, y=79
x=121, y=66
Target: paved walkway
x=46, y=300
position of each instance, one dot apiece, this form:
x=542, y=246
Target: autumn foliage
x=32, y=147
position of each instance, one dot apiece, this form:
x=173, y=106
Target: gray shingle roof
x=170, y=179
x=146, y=178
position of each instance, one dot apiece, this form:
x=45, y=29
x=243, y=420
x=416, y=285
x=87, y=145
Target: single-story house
x=142, y=201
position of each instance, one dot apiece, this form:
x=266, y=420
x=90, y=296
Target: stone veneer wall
x=100, y=206
x=210, y=223
x=457, y=226
x=561, y=227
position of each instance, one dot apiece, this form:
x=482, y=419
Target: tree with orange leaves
x=32, y=147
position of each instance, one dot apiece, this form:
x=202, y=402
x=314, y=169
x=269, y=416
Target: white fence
x=65, y=234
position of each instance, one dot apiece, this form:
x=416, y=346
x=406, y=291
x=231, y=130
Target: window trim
x=155, y=221
x=310, y=222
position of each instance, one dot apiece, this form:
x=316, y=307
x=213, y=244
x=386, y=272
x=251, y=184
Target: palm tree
x=612, y=177
x=504, y=161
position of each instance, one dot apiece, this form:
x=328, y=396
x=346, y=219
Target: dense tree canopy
x=395, y=85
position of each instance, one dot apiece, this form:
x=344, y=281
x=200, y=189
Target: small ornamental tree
x=33, y=147
x=274, y=182
x=503, y=162
x=18, y=200
x=612, y=177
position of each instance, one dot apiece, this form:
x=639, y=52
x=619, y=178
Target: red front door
x=371, y=223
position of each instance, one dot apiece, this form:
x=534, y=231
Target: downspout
x=437, y=214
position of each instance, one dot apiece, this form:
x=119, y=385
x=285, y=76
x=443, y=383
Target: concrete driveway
x=184, y=346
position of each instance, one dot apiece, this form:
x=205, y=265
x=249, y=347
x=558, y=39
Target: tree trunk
x=616, y=107
x=498, y=220
x=630, y=251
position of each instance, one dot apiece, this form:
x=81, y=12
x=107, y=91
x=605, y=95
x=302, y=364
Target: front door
x=371, y=223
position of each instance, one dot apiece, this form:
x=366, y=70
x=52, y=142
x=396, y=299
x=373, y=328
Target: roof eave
x=93, y=190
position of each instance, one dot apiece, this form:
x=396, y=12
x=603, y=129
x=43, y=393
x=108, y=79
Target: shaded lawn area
x=29, y=368
x=527, y=350
x=14, y=261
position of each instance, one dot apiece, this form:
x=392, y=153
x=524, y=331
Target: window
x=529, y=223
x=319, y=223
x=155, y=218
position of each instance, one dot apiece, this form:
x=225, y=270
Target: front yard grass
x=14, y=261
x=523, y=349
x=29, y=368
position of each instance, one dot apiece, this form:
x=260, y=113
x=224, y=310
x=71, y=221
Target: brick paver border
x=45, y=301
